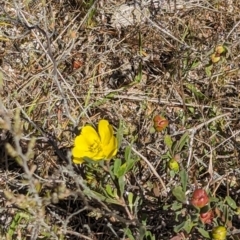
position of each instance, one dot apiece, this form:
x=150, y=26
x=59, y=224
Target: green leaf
x=138, y=77
x=184, y=179
x=109, y=191
x=128, y=232
x=122, y=170
x=179, y=194
x=119, y=134
x=179, y=227
x=121, y=182
x=225, y=212
x=195, y=91
x=188, y=226
x=148, y=235
x=142, y=232
x=14, y=224
x=115, y=193
x=100, y=197
x=177, y=214
x=168, y=142
x=181, y=142
x=136, y=204
x=208, y=70
x=231, y=202
x=166, y=207
x=204, y=233
x=214, y=199
x=130, y=164
x=191, y=109
x=195, y=64
x=117, y=165
x=176, y=206
x=172, y=173
x=130, y=200
x=111, y=168
x=127, y=153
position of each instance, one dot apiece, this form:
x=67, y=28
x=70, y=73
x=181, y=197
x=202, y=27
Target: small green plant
x=106, y=181
x=174, y=148
x=18, y=219
x=207, y=210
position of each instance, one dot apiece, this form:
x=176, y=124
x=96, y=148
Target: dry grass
x=67, y=63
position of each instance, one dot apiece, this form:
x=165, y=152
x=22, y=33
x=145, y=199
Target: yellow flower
x=101, y=145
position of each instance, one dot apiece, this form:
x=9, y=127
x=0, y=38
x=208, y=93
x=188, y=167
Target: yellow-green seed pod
x=219, y=233
x=220, y=49
x=215, y=58
x=173, y=165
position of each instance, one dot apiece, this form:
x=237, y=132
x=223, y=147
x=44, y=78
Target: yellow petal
x=79, y=152
x=110, y=150
x=89, y=134
x=79, y=155
x=81, y=147
x=105, y=131
x=81, y=143
x=78, y=160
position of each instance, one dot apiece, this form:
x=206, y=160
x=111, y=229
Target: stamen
x=95, y=147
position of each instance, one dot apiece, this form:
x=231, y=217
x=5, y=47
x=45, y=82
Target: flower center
x=95, y=147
